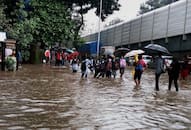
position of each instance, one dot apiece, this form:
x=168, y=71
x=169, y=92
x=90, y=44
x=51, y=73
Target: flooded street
x=44, y=98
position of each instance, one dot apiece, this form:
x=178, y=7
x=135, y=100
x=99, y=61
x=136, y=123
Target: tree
x=39, y=24
x=47, y=23
x=154, y=4
x=5, y=22
x=9, y=7
x=2, y=17
x=81, y=7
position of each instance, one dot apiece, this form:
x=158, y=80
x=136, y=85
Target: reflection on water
x=44, y=98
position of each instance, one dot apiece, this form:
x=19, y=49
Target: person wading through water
x=139, y=68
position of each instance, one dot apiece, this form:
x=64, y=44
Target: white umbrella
x=134, y=52
x=8, y=52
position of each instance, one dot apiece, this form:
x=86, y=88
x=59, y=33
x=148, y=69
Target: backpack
x=83, y=66
x=139, y=67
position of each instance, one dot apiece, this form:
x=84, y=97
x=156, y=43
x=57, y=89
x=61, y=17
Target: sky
x=128, y=10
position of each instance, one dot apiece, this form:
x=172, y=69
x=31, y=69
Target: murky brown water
x=44, y=98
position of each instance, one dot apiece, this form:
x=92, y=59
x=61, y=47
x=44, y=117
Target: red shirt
x=142, y=62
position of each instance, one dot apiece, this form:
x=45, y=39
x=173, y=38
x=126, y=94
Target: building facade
x=169, y=26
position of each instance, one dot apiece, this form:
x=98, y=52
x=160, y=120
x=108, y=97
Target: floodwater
x=45, y=98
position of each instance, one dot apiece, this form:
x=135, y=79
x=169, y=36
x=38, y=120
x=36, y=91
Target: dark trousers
x=171, y=78
x=121, y=71
x=108, y=74
x=96, y=73
x=102, y=73
x=84, y=74
x=157, y=76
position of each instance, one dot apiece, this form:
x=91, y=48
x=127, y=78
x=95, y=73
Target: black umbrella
x=121, y=51
x=158, y=48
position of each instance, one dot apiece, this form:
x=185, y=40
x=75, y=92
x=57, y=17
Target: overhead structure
x=169, y=26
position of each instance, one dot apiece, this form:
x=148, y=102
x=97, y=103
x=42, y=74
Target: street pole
x=3, y=46
x=98, y=40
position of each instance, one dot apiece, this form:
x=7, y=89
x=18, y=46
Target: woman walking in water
x=122, y=64
x=139, y=68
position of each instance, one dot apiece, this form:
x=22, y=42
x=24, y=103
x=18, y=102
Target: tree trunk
x=35, y=56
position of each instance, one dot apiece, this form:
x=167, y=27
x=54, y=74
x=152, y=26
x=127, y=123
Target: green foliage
x=25, y=55
x=23, y=32
x=4, y=25
x=10, y=8
x=9, y=62
x=2, y=18
x=81, y=7
x=49, y=22
x=154, y=4
x=79, y=42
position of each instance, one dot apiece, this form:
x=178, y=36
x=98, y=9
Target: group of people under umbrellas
x=160, y=67
x=106, y=66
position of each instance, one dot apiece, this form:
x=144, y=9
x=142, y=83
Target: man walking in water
x=84, y=67
x=159, y=69
x=173, y=73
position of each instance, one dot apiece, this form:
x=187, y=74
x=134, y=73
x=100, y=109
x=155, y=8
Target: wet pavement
x=45, y=98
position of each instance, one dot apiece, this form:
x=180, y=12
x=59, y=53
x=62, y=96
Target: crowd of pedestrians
x=107, y=66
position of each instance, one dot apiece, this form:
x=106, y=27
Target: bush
x=10, y=62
